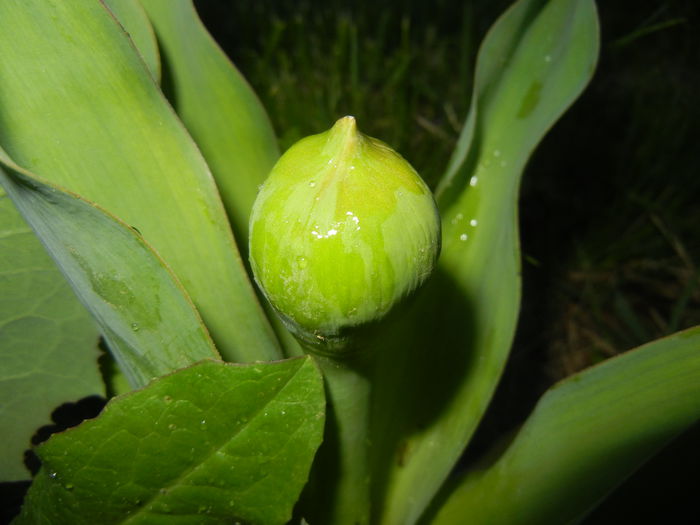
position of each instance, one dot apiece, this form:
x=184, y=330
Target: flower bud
x=342, y=230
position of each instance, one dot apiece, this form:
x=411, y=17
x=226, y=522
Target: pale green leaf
x=586, y=435
x=79, y=108
x=48, y=342
x=534, y=62
x=145, y=315
x=211, y=444
x=221, y=112
x=133, y=19
x=219, y=108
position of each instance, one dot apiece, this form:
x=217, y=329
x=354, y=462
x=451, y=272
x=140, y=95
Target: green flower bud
x=342, y=230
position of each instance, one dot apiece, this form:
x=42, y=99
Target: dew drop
x=135, y=327
x=172, y=426
x=473, y=222
x=312, y=184
x=463, y=237
x=303, y=263
x=53, y=475
x=474, y=181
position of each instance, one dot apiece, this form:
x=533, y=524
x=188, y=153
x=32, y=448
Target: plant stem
x=340, y=490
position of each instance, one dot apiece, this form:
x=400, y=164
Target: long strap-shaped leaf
x=218, y=107
x=133, y=18
x=534, y=62
x=222, y=113
x=78, y=106
x=585, y=436
x=144, y=313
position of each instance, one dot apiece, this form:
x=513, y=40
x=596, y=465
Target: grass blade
x=586, y=435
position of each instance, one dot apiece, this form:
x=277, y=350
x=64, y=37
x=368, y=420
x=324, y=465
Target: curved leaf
x=48, y=342
x=133, y=19
x=213, y=443
x=144, y=313
x=586, y=435
x=78, y=106
x=219, y=108
x=534, y=62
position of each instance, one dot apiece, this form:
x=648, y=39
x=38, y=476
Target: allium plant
x=327, y=366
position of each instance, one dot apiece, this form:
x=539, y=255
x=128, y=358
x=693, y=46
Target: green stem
x=340, y=489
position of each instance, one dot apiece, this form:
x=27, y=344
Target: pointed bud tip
x=341, y=233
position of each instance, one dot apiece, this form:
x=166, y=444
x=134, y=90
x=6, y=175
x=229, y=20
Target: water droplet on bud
x=342, y=230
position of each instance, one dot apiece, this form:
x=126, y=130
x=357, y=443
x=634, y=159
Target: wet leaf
x=586, y=435
x=211, y=444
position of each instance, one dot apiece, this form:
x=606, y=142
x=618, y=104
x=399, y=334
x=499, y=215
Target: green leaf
x=213, y=443
x=534, y=62
x=586, y=435
x=48, y=342
x=78, y=107
x=219, y=108
x=133, y=19
x=145, y=315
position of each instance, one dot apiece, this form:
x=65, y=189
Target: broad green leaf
x=219, y=108
x=48, y=342
x=586, y=435
x=534, y=62
x=214, y=443
x=145, y=315
x=79, y=108
x=133, y=19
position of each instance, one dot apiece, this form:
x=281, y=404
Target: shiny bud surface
x=342, y=229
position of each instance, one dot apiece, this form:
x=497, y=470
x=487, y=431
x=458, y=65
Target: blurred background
x=609, y=204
